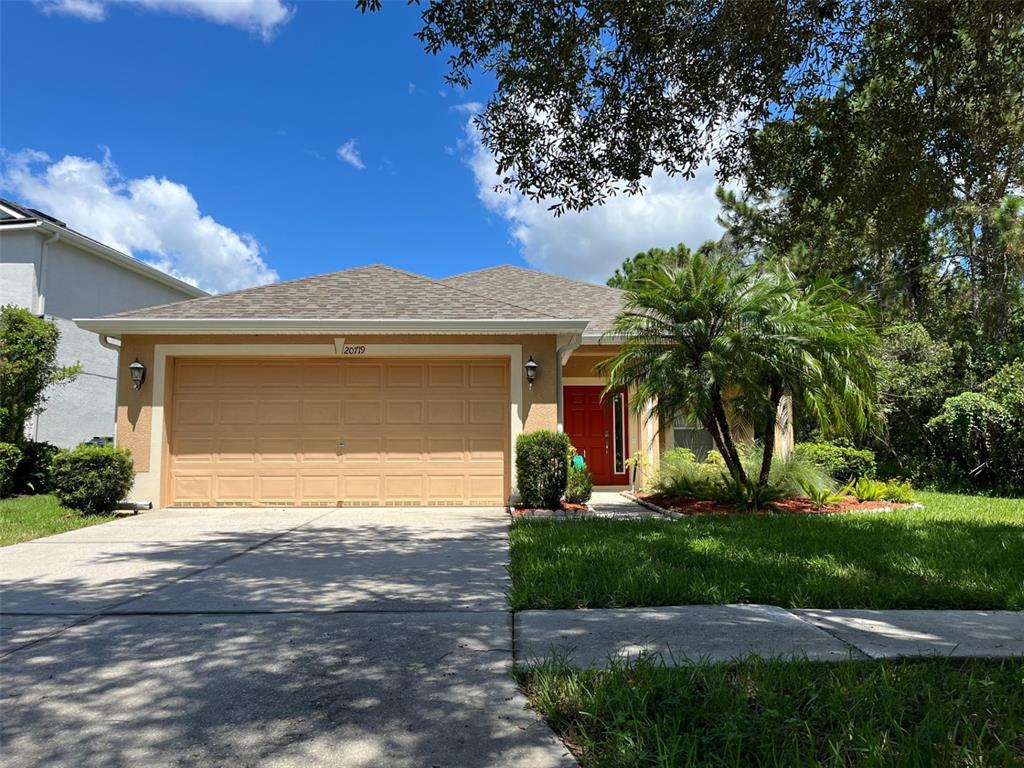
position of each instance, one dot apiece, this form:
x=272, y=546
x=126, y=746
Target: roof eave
x=608, y=337
x=118, y=326
x=97, y=248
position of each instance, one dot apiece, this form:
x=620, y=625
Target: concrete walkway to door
x=265, y=637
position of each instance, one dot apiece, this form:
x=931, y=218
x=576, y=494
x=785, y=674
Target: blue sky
x=280, y=141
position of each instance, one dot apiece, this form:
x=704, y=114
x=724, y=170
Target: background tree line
x=880, y=142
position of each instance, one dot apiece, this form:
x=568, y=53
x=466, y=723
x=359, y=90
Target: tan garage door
x=327, y=432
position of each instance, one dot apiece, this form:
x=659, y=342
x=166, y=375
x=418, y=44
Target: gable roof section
x=559, y=296
x=371, y=298
x=18, y=217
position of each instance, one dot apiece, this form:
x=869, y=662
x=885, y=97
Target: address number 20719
x=355, y=349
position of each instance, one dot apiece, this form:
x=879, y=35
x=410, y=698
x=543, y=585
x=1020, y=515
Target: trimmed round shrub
x=92, y=479
x=10, y=458
x=542, y=459
x=580, y=485
x=839, y=459
x=33, y=473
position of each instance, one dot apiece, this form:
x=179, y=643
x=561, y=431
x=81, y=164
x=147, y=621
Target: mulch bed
x=686, y=506
x=566, y=507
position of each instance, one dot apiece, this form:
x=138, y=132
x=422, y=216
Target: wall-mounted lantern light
x=531, y=371
x=137, y=371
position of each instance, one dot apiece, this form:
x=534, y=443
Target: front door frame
x=613, y=478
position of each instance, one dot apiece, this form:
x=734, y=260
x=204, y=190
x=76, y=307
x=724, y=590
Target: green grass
x=925, y=712
x=29, y=517
x=957, y=552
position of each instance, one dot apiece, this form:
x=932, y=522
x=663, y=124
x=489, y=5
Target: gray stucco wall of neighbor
x=77, y=284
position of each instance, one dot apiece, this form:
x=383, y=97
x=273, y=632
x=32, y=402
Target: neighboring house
x=60, y=274
x=369, y=386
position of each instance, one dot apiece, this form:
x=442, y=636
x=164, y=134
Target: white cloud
x=589, y=245
x=157, y=220
x=263, y=17
x=349, y=153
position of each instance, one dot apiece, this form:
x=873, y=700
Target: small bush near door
x=580, y=485
x=10, y=458
x=542, y=459
x=92, y=479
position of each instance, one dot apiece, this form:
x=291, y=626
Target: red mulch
x=687, y=506
x=519, y=511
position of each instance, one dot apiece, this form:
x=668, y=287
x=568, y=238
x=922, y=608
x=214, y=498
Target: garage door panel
x=405, y=412
x=363, y=412
x=321, y=412
x=360, y=489
x=362, y=450
x=446, y=412
x=236, y=449
x=277, y=488
x=363, y=375
x=446, y=374
x=238, y=412
x=232, y=488
x=234, y=375
x=490, y=412
x=192, y=413
x=265, y=432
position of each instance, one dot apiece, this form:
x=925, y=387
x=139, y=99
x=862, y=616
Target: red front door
x=597, y=428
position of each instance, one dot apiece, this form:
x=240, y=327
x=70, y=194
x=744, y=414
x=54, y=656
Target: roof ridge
x=474, y=294
x=531, y=271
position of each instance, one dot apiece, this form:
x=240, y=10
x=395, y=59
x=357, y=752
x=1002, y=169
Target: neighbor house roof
x=558, y=296
x=371, y=298
x=15, y=217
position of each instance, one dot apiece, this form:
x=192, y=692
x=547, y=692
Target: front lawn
x=29, y=517
x=957, y=552
x=925, y=712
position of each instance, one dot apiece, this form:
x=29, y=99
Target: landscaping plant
x=28, y=354
x=10, y=458
x=33, y=473
x=92, y=479
x=867, y=489
x=580, y=485
x=542, y=459
x=823, y=495
x=839, y=458
x=714, y=339
x=899, y=491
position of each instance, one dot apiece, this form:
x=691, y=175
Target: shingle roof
x=557, y=296
x=363, y=293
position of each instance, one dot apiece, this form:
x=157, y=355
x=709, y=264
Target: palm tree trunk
x=774, y=397
x=728, y=446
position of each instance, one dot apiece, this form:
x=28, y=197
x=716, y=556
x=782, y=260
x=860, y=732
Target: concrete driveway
x=330, y=637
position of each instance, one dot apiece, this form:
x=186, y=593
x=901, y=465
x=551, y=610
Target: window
x=687, y=435
x=618, y=433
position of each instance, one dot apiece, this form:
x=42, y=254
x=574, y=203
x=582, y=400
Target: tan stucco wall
x=134, y=422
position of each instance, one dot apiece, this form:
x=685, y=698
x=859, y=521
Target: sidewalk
x=690, y=633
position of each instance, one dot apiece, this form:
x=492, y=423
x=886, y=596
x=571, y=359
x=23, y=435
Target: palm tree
x=714, y=336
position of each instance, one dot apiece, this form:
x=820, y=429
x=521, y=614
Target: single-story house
x=55, y=272
x=370, y=386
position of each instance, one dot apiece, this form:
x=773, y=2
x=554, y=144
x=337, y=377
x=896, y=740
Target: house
x=369, y=386
x=56, y=272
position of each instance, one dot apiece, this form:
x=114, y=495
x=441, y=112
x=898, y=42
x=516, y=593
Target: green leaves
x=28, y=353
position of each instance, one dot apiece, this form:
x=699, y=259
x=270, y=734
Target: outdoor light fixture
x=138, y=373
x=531, y=371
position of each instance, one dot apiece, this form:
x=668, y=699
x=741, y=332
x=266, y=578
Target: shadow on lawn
x=821, y=562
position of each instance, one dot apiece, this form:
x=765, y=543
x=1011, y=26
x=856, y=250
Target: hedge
x=92, y=479
x=541, y=468
x=839, y=458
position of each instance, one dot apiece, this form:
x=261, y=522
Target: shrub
x=748, y=496
x=28, y=368
x=33, y=473
x=866, y=489
x=679, y=474
x=839, y=458
x=541, y=468
x=10, y=458
x=899, y=491
x=579, y=486
x=92, y=479
x=822, y=495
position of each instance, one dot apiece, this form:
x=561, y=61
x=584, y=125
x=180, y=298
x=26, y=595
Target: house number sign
x=353, y=349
